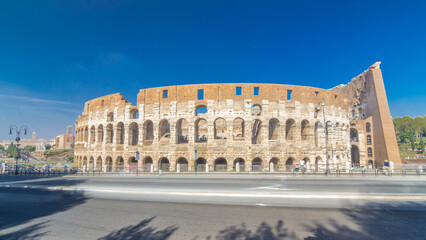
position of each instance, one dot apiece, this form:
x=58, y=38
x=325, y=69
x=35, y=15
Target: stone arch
x=370, y=163
x=220, y=129
x=148, y=131
x=256, y=132
x=307, y=162
x=182, y=131
x=133, y=134
x=85, y=162
x=98, y=165
x=183, y=164
x=304, y=130
x=256, y=110
x=318, y=163
x=274, y=126
x=92, y=134
x=100, y=133
x=369, y=152
x=368, y=139
x=256, y=165
x=241, y=163
x=110, y=117
x=354, y=156
x=238, y=128
x=119, y=165
x=164, y=164
x=120, y=133
x=201, y=164
x=134, y=113
x=164, y=130
x=133, y=164
x=201, y=130
x=147, y=162
x=354, y=135
x=220, y=164
x=200, y=109
x=289, y=164
x=274, y=161
x=109, y=133
x=86, y=134
x=108, y=163
x=289, y=129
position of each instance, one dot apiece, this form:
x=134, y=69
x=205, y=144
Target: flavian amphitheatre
x=252, y=127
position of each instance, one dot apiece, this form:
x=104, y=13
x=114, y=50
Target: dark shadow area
x=21, y=205
x=374, y=221
x=263, y=232
x=44, y=181
x=13, y=178
x=30, y=232
x=141, y=231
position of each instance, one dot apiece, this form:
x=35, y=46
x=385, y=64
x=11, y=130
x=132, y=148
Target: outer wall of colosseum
x=229, y=125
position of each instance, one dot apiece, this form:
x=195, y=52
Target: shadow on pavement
x=19, y=206
x=141, y=231
x=405, y=222
x=30, y=232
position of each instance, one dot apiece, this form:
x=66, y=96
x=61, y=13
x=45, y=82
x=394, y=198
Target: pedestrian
x=296, y=169
x=302, y=166
x=386, y=167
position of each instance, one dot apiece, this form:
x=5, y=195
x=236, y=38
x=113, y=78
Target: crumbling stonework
x=229, y=125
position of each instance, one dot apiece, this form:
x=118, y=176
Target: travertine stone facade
x=253, y=125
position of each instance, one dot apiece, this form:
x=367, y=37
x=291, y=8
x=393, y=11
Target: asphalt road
x=142, y=208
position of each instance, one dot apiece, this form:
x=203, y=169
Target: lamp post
x=326, y=125
x=17, y=139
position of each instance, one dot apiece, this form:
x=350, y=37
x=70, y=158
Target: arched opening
x=370, y=164
x=164, y=164
x=108, y=164
x=110, y=133
x=100, y=133
x=354, y=156
x=183, y=164
x=274, y=129
x=110, y=117
x=220, y=165
x=85, y=163
x=133, y=164
x=305, y=162
x=368, y=127
x=182, y=131
x=256, y=165
x=238, y=129
x=354, y=135
x=86, y=134
x=274, y=162
x=119, y=166
x=289, y=164
x=368, y=139
x=304, y=130
x=91, y=165
x=134, y=134
x=164, y=130
x=201, y=164
x=98, y=163
x=92, y=134
x=220, y=129
x=256, y=110
x=318, y=163
x=120, y=133
x=370, y=152
x=147, y=162
x=201, y=130
x=256, y=132
x=289, y=125
x=241, y=164
x=200, y=110
x=134, y=114
x=148, y=133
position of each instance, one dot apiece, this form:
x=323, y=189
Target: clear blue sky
x=55, y=55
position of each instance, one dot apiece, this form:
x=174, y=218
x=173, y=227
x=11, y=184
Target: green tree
x=11, y=150
x=1, y=148
x=422, y=145
x=69, y=159
x=29, y=148
x=413, y=142
x=48, y=147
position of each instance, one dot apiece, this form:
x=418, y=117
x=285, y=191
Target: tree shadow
x=30, y=232
x=141, y=231
x=263, y=232
x=21, y=205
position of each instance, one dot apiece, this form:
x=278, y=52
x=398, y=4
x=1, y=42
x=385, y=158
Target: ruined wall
x=367, y=98
x=253, y=129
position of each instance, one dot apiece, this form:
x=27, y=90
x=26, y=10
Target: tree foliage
x=29, y=148
x=11, y=150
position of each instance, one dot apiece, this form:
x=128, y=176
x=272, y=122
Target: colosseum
x=239, y=127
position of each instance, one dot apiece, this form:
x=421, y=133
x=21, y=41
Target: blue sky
x=55, y=55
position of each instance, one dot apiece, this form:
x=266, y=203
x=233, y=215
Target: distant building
x=63, y=141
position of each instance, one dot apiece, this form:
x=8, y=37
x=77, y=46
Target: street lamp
x=17, y=139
